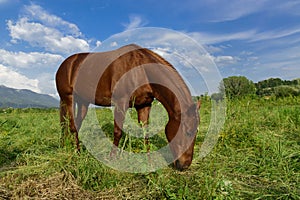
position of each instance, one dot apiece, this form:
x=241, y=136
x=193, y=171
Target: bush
x=285, y=91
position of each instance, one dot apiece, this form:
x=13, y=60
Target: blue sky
x=257, y=39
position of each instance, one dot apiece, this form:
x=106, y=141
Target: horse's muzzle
x=179, y=166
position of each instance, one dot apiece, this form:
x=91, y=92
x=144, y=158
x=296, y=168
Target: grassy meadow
x=257, y=157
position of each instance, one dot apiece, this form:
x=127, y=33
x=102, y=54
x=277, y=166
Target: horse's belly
x=103, y=101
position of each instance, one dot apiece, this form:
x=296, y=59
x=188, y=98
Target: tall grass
x=257, y=157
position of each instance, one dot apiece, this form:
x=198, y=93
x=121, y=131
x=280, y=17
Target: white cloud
x=135, y=21
x=29, y=60
x=275, y=34
x=36, y=12
x=114, y=44
x=16, y=80
x=46, y=83
x=39, y=35
x=225, y=60
x=35, y=70
x=38, y=65
x=98, y=43
x=44, y=30
x=207, y=38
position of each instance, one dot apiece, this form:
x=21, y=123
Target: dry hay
x=58, y=186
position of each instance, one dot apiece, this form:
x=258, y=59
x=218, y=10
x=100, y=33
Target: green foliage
x=274, y=82
x=238, y=86
x=257, y=157
x=278, y=88
x=285, y=91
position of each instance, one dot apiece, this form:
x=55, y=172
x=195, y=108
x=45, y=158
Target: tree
x=238, y=86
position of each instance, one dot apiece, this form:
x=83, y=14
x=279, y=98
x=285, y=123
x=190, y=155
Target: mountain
x=16, y=98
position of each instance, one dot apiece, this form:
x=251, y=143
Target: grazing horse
x=130, y=76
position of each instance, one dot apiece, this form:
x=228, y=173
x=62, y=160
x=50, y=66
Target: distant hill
x=16, y=98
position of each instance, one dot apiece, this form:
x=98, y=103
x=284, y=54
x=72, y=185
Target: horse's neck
x=175, y=105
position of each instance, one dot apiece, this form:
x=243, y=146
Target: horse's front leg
x=119, y=116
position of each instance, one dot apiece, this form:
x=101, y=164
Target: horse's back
x=70, y=66
x=94, y=76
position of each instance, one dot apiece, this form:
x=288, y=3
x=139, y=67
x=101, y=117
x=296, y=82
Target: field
x=257, y=157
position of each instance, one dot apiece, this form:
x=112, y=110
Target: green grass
x=257, y=157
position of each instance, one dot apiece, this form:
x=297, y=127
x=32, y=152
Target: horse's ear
x=198, y=104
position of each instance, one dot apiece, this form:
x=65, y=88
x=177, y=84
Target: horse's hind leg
x=64, y=123
x=67, y=118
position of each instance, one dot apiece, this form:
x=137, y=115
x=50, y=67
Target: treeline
x=278, y=87
x=240, y=86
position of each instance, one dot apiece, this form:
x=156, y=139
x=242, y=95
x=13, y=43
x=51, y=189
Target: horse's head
x=182, y=142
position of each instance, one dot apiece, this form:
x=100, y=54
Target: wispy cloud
x=275, y=34
x=218, y=11
x=249, y=36
x=289, y=7
x=135, y=21
x=3, y=1
x=208, y=38
x=232, y=10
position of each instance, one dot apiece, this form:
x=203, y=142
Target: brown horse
x=130, y=76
